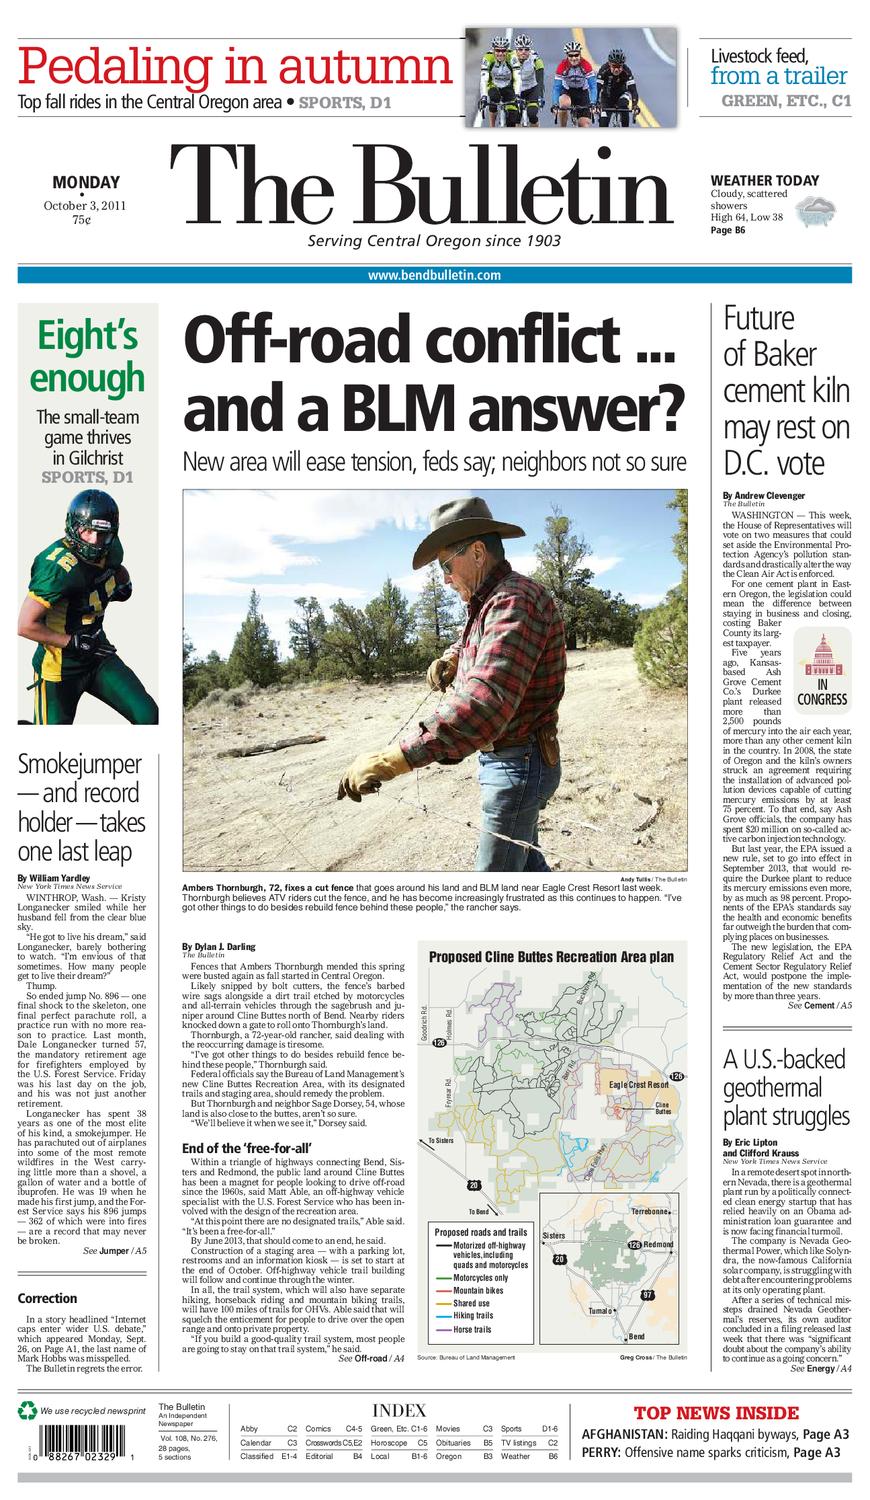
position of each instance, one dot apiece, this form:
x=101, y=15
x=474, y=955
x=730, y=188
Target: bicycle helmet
x=523, y=41
x=572, y=49
x=500, y=44
x=616, y=55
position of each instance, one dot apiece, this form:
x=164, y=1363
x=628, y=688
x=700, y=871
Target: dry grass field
x=621, y=742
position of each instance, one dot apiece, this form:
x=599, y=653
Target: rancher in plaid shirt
x=508, y=676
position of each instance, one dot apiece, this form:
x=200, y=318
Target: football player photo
x=72, y=583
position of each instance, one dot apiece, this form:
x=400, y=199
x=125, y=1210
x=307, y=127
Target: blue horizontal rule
x=357, y=275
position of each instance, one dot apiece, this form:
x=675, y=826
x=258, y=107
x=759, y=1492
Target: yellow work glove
x=368, y=771
x=441, y=673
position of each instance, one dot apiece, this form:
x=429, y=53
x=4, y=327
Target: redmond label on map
x=552, y=1105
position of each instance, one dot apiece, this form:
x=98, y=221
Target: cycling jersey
x=574, y=75
x=612, y=86
x=530, y=72
x=570, y=80
x=497, y=73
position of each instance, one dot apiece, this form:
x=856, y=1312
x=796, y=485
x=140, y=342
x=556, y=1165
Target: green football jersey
x=76, y=594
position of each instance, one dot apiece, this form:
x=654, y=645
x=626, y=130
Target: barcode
x=82, y=1437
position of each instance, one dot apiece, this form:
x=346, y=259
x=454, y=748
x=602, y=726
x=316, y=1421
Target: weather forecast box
x=481, y=1281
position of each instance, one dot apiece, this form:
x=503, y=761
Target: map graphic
x=554, y=1090
x=612, y=1271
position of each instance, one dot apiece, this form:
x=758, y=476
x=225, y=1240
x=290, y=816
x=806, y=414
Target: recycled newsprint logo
x=823, y=670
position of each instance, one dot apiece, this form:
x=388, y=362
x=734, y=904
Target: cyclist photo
x=573, y=87
x=499, y=83
x=617, y=90
x=529, y=70
x=530, y=75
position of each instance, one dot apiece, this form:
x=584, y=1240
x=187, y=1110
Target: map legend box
x=481, y=1280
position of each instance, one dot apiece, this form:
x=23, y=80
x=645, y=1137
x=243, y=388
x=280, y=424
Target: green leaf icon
x=27, y=1411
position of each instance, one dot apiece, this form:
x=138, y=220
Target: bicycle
x=576, y=114
x=500, y=112
x=620, y=116
x=523, y=107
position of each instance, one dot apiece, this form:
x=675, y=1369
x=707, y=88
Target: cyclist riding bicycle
x=617, y=90
x=573, y=87
x=529, y=68
x=499, y=82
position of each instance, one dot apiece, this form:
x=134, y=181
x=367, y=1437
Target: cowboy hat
x=454, y=521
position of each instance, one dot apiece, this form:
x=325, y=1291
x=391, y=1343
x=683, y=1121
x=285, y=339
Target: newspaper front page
x=434, y=1046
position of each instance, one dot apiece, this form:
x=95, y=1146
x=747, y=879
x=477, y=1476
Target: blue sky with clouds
x=340, y=544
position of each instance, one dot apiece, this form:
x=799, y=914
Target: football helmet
x=91, y=510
